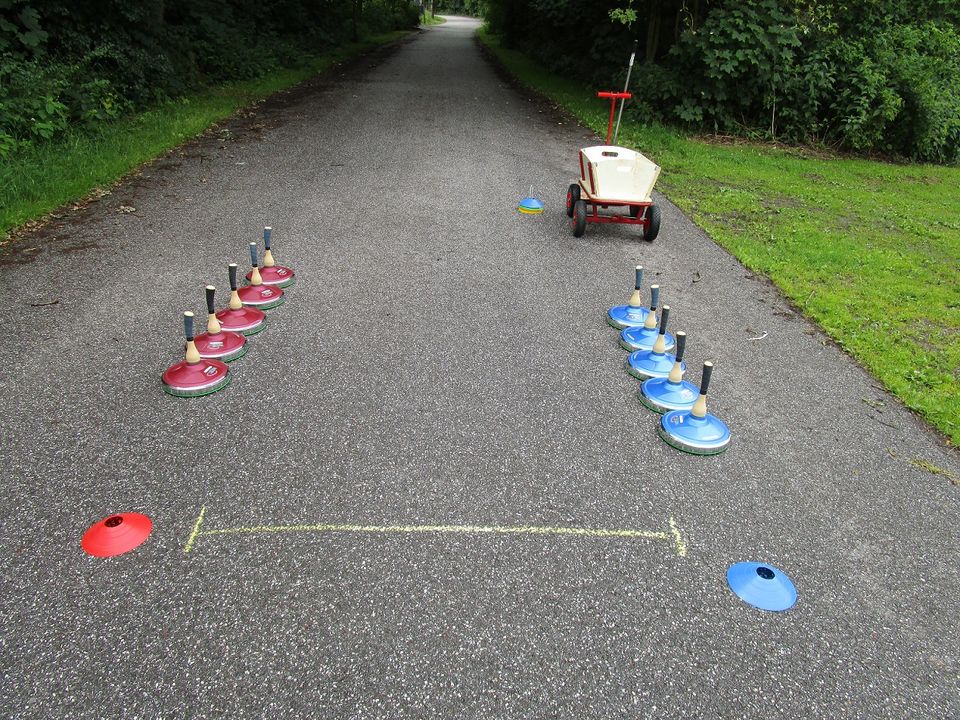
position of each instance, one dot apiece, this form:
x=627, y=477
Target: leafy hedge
x=472, y=8
x=81, y=62
x=871, y=76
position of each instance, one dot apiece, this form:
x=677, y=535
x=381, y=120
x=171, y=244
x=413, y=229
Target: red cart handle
x=614, y=96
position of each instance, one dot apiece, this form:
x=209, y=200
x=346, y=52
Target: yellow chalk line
x=674, y=534
x=678, y=538
x=196, y=530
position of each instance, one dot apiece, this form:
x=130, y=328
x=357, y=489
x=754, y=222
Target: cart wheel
x=573, y=194
x=653, y=224
x=579, y=223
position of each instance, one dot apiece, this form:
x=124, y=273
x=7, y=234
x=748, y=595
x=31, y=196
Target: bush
x=879, y=76
x=75, y=62
x=735, y=65
x=923, y=69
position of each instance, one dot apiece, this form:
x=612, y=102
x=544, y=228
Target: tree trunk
x=357, y=9
x=653, y=30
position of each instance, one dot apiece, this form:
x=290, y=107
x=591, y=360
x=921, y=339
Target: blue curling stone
x=661, y=395
x=762, y=586
x=530, y=206
x=627, y=316
x=647, y=364
x=708, y=435
x=641, y=338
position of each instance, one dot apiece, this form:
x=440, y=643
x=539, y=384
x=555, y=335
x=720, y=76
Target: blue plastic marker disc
x=762, y=585
x=530, y=206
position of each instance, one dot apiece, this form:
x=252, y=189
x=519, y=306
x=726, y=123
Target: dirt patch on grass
x=801, y=151
x=780, y=202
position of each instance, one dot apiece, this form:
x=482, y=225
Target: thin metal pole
x=626, y=85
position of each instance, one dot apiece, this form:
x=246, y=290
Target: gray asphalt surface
x=442, y=360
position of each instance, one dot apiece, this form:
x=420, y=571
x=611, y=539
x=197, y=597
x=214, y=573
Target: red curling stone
x=236, y=317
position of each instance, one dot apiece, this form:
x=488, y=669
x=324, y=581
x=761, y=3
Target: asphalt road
x=442, y=360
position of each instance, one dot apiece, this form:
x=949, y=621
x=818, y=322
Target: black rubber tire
x=579, y=223
x=653, y=227
x=573, y=194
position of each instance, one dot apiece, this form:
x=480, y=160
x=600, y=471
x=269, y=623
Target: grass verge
x=869, y=250
x=36, y=181
x=430, y=19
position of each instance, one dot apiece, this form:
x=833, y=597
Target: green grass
x=37, y=181
x=869, y=250
x=431, y=19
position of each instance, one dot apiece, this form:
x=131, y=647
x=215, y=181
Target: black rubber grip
x=680, y=345
x=639, y=282
x=664, y=314
x=253, y=254
x=211, y=291
x=267, y=232
x=188, y=326
x=705, y=378
x=654, y=296
x=233, y=276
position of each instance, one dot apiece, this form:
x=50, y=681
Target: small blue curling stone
x=696, y=431
x=647, y=320
x=707, y=435
x=762, y=586
x=626, y=316
x=633, y=313
x=645, y=364
x=662, y=394
x=643, y=338
x=655, y=362
x=530, y=206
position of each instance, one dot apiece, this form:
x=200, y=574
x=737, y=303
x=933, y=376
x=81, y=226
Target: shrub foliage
x=78, y=62
x=878, y=75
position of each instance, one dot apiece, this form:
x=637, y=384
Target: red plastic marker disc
x=116, y=534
